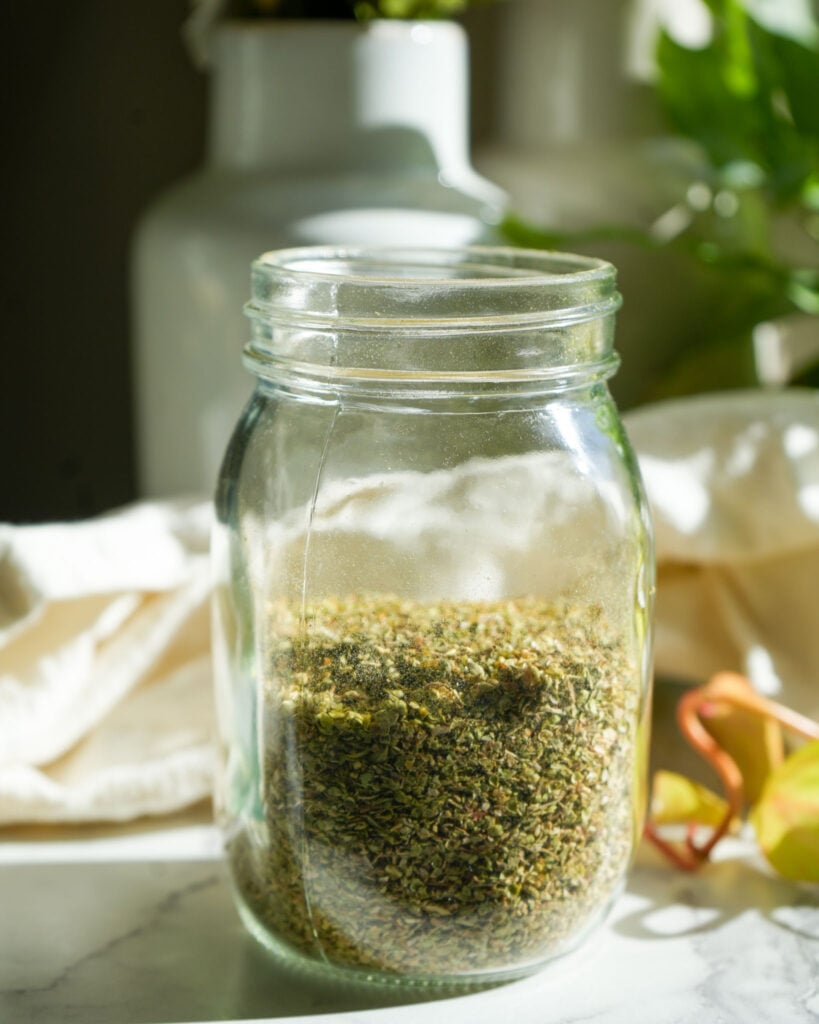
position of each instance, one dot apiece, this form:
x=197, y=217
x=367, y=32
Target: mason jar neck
x=472, y=318
x=337, y=95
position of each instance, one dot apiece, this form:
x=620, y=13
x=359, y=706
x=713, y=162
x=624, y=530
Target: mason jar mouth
x=431, y=312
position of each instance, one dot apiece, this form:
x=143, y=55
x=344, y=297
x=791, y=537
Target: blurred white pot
x=320, y=132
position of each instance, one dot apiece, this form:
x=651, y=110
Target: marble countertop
x=139, y=928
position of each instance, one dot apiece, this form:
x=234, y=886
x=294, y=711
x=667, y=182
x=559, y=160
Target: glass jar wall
x=432, y=613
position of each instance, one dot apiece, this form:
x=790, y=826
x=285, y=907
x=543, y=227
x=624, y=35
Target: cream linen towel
x=733, y=481
x=105, y=689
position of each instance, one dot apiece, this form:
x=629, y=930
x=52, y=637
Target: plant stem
x=736, y=691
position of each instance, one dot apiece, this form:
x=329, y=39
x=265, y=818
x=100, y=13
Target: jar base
x=438, y=985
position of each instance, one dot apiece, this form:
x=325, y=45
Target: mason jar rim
x=314, y=280
x=536, y=261
x=407, y=309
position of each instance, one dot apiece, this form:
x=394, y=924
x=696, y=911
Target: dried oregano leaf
x=786, y=817
x=447, y=787
x=678, y=800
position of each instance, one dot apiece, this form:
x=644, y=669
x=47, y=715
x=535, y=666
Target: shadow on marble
x=675, y=904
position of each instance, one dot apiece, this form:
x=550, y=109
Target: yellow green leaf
x=676, y=799
x=755, y=743
x=786, y=817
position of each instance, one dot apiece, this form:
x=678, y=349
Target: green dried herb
x=448, y=788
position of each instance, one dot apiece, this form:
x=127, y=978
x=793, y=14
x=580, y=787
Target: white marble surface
x=140, y=928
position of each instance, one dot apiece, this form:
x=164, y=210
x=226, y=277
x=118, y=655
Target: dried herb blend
x=446, y=787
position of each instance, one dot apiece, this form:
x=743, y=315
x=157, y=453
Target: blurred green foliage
x=748, y=102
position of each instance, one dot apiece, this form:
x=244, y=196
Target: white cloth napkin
x=105, y=688
x=106, y=710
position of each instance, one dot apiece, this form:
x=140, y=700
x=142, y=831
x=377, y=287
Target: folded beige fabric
x=105, y=689
x=733, y=481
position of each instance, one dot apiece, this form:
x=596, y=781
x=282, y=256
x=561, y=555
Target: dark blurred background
x=102, y=110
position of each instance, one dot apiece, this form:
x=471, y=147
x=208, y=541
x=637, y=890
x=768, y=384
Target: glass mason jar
x=432, y=614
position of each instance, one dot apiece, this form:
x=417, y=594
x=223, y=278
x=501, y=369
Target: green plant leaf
x=677, y=800
x=366, y=10
x=749, y=96
x=786, y=817
x=530, y=236
x=800, y=79
x=756, y=744
x=692, y=88
x=792, y=19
